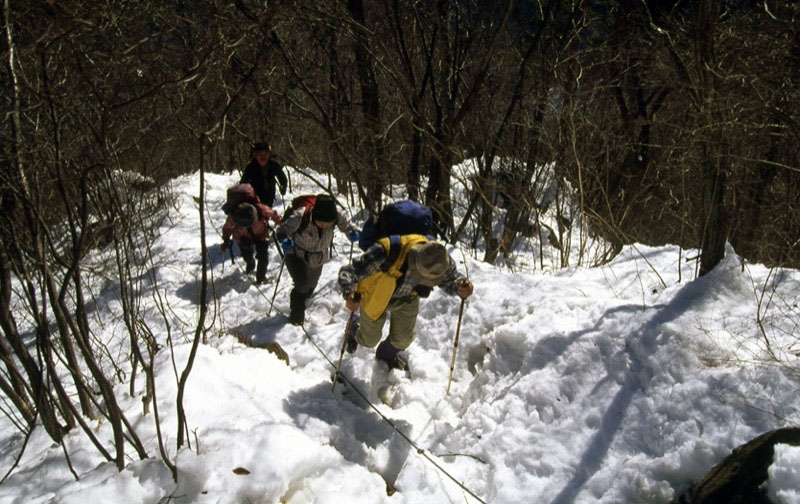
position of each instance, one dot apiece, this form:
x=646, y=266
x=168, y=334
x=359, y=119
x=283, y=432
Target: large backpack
x=238, y=194
x=304, y=203
x=398, y=218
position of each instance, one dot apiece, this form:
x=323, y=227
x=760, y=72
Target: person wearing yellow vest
x=390, y=277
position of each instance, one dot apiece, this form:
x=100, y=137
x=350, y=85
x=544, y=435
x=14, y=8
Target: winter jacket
x=257, y=232
x=263, y=180
x=379, y=286
x=312, y=244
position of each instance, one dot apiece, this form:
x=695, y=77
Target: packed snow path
x=613, y=384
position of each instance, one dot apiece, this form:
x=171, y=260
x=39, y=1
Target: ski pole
x=277, y=243
x=277, y=281
x=455, y=344
x=341, y=352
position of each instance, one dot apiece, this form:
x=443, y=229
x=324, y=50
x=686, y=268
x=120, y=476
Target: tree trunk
x=714, y=225
x=371, y=107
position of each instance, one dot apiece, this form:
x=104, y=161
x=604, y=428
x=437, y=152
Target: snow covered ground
x=613, y=384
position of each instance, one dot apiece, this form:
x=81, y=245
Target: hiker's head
x=324, y=213
x=260, y=152
x=428, y=263
x=244, y=215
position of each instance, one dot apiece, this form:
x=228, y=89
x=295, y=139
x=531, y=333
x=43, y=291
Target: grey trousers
x=305, y=278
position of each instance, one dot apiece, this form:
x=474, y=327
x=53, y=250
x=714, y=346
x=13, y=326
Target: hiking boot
x=297, y=308
x=261, y=272
x=399, y=362
x=387, y=353
x=297, y=317
x=352, y=344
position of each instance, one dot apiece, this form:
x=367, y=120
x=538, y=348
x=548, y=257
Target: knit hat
x=428, y=263
x=324, y=209
x=244, y=215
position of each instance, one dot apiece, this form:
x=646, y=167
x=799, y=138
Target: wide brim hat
x=259, y=146
x=428, y=263
x=244, y=215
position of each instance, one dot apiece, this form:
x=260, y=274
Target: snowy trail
x=613, y=384
x=548, y=405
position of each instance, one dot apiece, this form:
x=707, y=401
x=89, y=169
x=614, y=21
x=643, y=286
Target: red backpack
x=305, y=202
x=237, y=194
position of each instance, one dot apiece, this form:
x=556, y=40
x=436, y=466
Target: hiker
x=262, y=173
x=247, y=224
x=390, y=277
x=306, y=236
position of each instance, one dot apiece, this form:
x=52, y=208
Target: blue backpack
x=398, y=218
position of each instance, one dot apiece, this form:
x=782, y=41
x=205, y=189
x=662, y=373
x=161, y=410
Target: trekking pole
x=341, y=352
x=277, y=243
x=455, y=345
x=277, y=281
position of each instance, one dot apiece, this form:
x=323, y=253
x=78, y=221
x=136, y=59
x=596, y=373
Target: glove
x=287, y=245
x=225, y=245
x=352, y=300
x=353, y=235
x=465, y=288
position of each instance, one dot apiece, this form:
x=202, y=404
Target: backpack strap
x=303, y=203
x=394, y=252
x=306, y=218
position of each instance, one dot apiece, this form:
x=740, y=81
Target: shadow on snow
x=360, y=431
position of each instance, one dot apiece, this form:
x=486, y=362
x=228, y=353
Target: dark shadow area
x=359, y=426
x=217, y=256
x=636, y=379
x=221, y=286
x=550, y=348
x=260, y=331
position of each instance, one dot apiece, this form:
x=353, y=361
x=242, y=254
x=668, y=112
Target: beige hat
x=244, y=215
x=428, y=263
